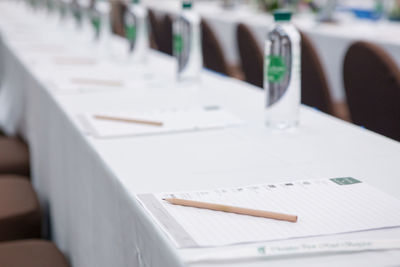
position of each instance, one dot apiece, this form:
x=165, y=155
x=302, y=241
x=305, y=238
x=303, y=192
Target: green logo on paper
x=261, y=250
x=130, y=33
x=345, y=181
x=275, y=68
x=178, y=43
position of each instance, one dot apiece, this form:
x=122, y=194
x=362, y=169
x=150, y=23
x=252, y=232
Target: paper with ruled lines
x=323, y=207
x=174, y=120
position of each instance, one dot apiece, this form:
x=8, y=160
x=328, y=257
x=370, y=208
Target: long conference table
x=88, y=185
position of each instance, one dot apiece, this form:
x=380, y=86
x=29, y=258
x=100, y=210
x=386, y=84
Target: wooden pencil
x=96, y=82
x=74, y=61
x=232, y=209
x=111, y=118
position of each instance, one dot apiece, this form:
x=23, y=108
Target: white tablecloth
x=331, y=40
x=88, y=185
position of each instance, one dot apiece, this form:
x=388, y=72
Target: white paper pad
x=174, y=120
x=89, y=83
x=323, y=207
x=292, y=249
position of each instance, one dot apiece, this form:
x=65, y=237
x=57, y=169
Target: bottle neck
x=283, y=22
x=186, y=11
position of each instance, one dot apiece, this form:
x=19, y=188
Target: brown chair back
x=166, y=35
x=213, y=57
x=155, y=28
x=251, y=56
x=314, y=86
x=372, y=82
x=118, y=10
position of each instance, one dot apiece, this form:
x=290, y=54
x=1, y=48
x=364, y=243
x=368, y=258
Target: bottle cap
x=187, y=4
x=282, y=15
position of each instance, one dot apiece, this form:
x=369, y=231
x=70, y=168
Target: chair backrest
x=314, y=86
x=251, y=56
x=166, y=35
x=118, y=10
x=213, y=56
x=372, y=82
x=155, y=28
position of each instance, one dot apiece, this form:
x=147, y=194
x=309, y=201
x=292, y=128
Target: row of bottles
x=282, y=64
x=282, y=59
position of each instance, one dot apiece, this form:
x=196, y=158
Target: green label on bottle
x=275, y=68
x=178, y=43
x=130, y=33
x=50, y=5
x=63, y=11
x=345, y=181
x=96, y=25
x=78, y=16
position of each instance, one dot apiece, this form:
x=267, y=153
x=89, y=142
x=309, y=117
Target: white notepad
x=85, y=85
x=174, y=120
x=323, y=207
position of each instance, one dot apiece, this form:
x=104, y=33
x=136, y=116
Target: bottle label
x=275, y=68
x=178, y=43
x=96, y=23
x=63, y=10
x=130, y=33
x=77, y=14
x=182, y=42
x=130, y=29
x=50, y=5
x=277, y=65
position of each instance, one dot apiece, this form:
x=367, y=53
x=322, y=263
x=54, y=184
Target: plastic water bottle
x=67, y=22
x=100, y=17
x=77, y=13
x=282, y=73
x=327, y=12
x=135, y=22
x=187, y=45
x=86, y=24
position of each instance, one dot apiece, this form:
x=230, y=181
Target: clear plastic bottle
x=77, y=13
x=100, y=18
x=85, y=28
x=135, y=22
x=282, y=73
x=187, y=45
x=67, y=22
x=327, y=12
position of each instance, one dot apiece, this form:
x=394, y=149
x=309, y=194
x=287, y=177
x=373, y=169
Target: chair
x=213, y=56
x=251, y=56
x=155, y=29
x=31, y=253
x=14, y=156
x=314, y=86
x=20, y=215
x=372, y=82
x=117, y=18
x=166, y=36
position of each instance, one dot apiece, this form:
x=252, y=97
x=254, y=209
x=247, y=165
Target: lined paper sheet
x=324, y=207
x=174, y=120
